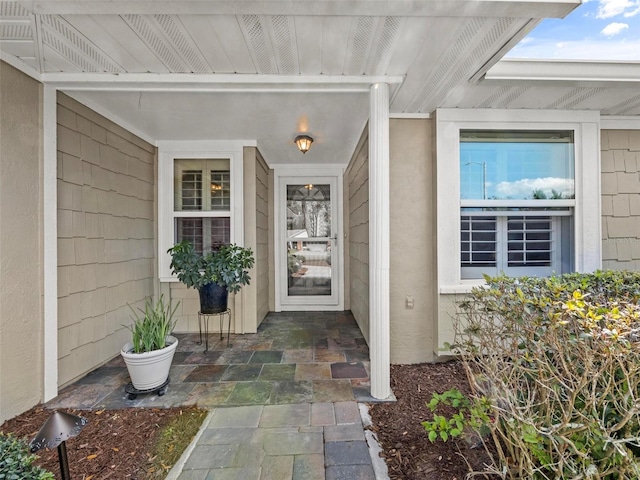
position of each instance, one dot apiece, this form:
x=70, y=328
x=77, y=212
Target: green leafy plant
x=152, y=325
x=469, y=414
x=16, y=463
x=228, y=266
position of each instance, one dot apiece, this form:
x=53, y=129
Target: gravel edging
x=379, y=465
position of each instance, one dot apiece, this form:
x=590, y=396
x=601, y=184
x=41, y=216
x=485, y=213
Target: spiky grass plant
x=152, y=325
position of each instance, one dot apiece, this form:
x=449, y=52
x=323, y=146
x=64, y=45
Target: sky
x=596, y=30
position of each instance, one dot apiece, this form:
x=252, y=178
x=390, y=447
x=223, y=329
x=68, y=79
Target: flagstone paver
x=280, y=467
x=291, y=392
x=343, y=433
x=323, y=414
x=308, y=467
x=284, y=400
x=347, y=453
x=250, y=393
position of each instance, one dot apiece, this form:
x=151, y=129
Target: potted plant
x=149, y=354
x=214, y=274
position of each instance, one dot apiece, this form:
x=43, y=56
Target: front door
x=309, y=247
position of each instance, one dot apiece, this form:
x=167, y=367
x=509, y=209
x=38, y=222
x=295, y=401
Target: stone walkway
x=283, y=401
x=309, y=441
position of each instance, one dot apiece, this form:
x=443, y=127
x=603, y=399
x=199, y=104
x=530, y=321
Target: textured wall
x=264, y=237
x=413, y=256
x=21, y=254
x=106, y=232
x=251, y=304
x=357, y=206
x=620, y=199
x=256, y=236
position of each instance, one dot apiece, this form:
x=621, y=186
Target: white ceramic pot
x=149, y=370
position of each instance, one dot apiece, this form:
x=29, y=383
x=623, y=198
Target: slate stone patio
x=296, y=357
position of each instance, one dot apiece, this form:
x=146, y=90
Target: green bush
x=16, y=463
x=469, y=415
x=559, y=360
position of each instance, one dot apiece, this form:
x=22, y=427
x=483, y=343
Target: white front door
x=309, y=243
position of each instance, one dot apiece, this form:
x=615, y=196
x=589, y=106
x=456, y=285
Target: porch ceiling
x=262, y=70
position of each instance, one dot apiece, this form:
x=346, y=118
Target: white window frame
x=587, y=254
x=168, y=152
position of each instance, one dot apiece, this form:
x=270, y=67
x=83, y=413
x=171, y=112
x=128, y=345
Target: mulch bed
x=115, y=444
x=407, y=451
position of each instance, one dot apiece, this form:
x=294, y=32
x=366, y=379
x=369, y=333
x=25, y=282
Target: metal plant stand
x=203, y=318
x=133, y=392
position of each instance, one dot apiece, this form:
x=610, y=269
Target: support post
x=379, y=241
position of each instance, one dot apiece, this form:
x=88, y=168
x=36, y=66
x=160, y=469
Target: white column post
x=50, y=241
x=379, y=240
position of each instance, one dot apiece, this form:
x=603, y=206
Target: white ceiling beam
x=215, y=83
x=20, y=65
x=497, y=56
x=427, y=8
x=586, y=73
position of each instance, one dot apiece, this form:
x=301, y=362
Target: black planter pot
x=213, y=298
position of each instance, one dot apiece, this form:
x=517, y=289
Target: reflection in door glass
x=308, y=245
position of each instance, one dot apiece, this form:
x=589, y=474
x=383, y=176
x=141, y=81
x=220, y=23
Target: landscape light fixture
x=59, y=428
x=304, y=143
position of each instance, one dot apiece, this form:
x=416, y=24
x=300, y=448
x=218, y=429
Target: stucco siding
x=413, y=258
x=447, y=310
x=21, y=242
x=357, y=195
x=620, y=157
x=106, y=231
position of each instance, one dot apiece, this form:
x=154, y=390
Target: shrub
x=16, y=463
x=559, y=360
x=470, y=414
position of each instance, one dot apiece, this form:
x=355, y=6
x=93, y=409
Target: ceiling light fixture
x=304, y=143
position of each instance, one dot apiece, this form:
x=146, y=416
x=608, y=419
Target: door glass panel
x=308, y=236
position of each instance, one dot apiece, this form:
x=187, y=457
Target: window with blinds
x=478, y=241
x=529, y=241
x=202, y=203
x=516, y=202
x=191, y=190
x=513, y=245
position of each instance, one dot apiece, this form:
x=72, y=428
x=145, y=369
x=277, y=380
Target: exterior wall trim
x=167, y=151
x=19, y=64
x=140, y=82
x=410, y=116
x=301, y=170
x=619, y=123
x=50, y=243
x=595, y=72
x=586, y=124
